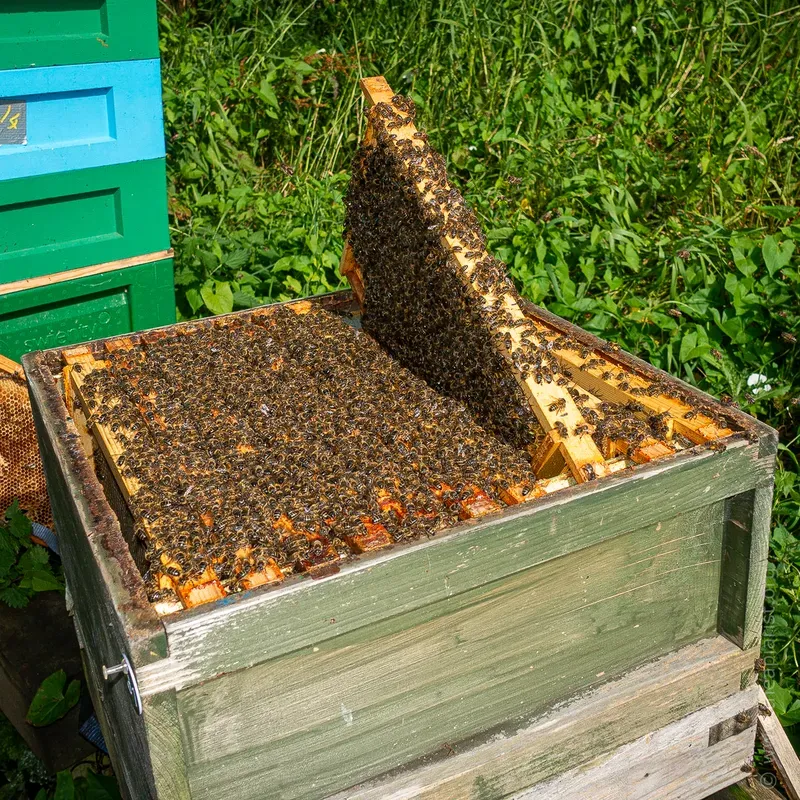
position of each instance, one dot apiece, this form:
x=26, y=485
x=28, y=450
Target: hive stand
x=552, y=404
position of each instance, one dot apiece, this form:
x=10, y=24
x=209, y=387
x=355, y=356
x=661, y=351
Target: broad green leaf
x=776, y=255
x=688, y=344
x=53, y=699
x=218, y=297
x=100, y=787
x=268, y=93
x=65, y=786
x=194, y=299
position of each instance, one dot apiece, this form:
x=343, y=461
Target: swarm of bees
x=445, y=317
x=243, y=437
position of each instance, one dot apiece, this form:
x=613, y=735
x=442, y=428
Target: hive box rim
x=146, y=626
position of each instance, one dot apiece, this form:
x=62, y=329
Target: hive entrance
x=253, y=448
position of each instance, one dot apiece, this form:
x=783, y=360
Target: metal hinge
x=125, y=668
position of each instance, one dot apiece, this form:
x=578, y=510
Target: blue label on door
x=13, y=122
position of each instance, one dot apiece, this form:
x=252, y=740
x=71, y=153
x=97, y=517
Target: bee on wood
x=580, y=430
x=589, y=472
x=690, y=414
x=558, y=405
x=561, y=428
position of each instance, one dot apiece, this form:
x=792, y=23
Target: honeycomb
x=21, y=473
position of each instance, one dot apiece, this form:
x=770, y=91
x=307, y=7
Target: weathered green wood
x=378, y=697
x=745, y=551
x=643, y=701
x=228, y=636
x=676, y=762
x=113, y=620
x=164, y=738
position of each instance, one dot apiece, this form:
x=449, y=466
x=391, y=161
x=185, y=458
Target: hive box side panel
x=42, y=33
x=369, y=701
x=82, y=116
x=67, y=220
x=574, y=739
x=79, y=310
x=745, y=555
x=676, y=762
x=114, y=617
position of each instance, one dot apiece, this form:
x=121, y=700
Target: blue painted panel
x=83, y=116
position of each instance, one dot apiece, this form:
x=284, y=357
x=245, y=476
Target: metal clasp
x=125, y=668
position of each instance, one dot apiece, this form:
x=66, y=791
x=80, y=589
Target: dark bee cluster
x=236, y=427
x=445, y=316
x=417, y=304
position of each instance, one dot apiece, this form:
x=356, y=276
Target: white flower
x=633, y=30
x=758, y=383
x=472, y=147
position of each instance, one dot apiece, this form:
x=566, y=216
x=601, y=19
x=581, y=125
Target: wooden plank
x=350, y=270
x=212, y=641
x=163, y=735
x=108, y=442
x=114, y=614
x=617, y=712
x=612, y=381
x=778, y=748
x=745, y=553
x=11, y=367
x=673, y=763
x=465, y=664
x=550, y=402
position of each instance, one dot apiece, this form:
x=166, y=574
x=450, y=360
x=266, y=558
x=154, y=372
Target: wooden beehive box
x=597, y=638
x=502, y=653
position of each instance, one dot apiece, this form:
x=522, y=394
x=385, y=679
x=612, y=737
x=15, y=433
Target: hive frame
x=582, y=456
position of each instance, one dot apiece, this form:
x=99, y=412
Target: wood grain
x=643, y=701
x=745, y=552
x=673, y=763
x=374, y=699
x=778, y=748
x=83, y=272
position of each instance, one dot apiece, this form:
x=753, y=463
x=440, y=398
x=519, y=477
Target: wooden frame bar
x=578, y=450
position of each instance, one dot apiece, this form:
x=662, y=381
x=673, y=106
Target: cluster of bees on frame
x=453, y=327
x=272, y=438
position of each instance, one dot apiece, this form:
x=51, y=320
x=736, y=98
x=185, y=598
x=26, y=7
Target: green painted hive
x=106, y=303
x=46, y=33
x=510, y=656
x=63, y=221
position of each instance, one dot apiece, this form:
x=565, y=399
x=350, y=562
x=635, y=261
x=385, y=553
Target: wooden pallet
x=556, y=410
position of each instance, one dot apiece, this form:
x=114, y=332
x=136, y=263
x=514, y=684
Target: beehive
x=603, y=607
x=82, y=172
